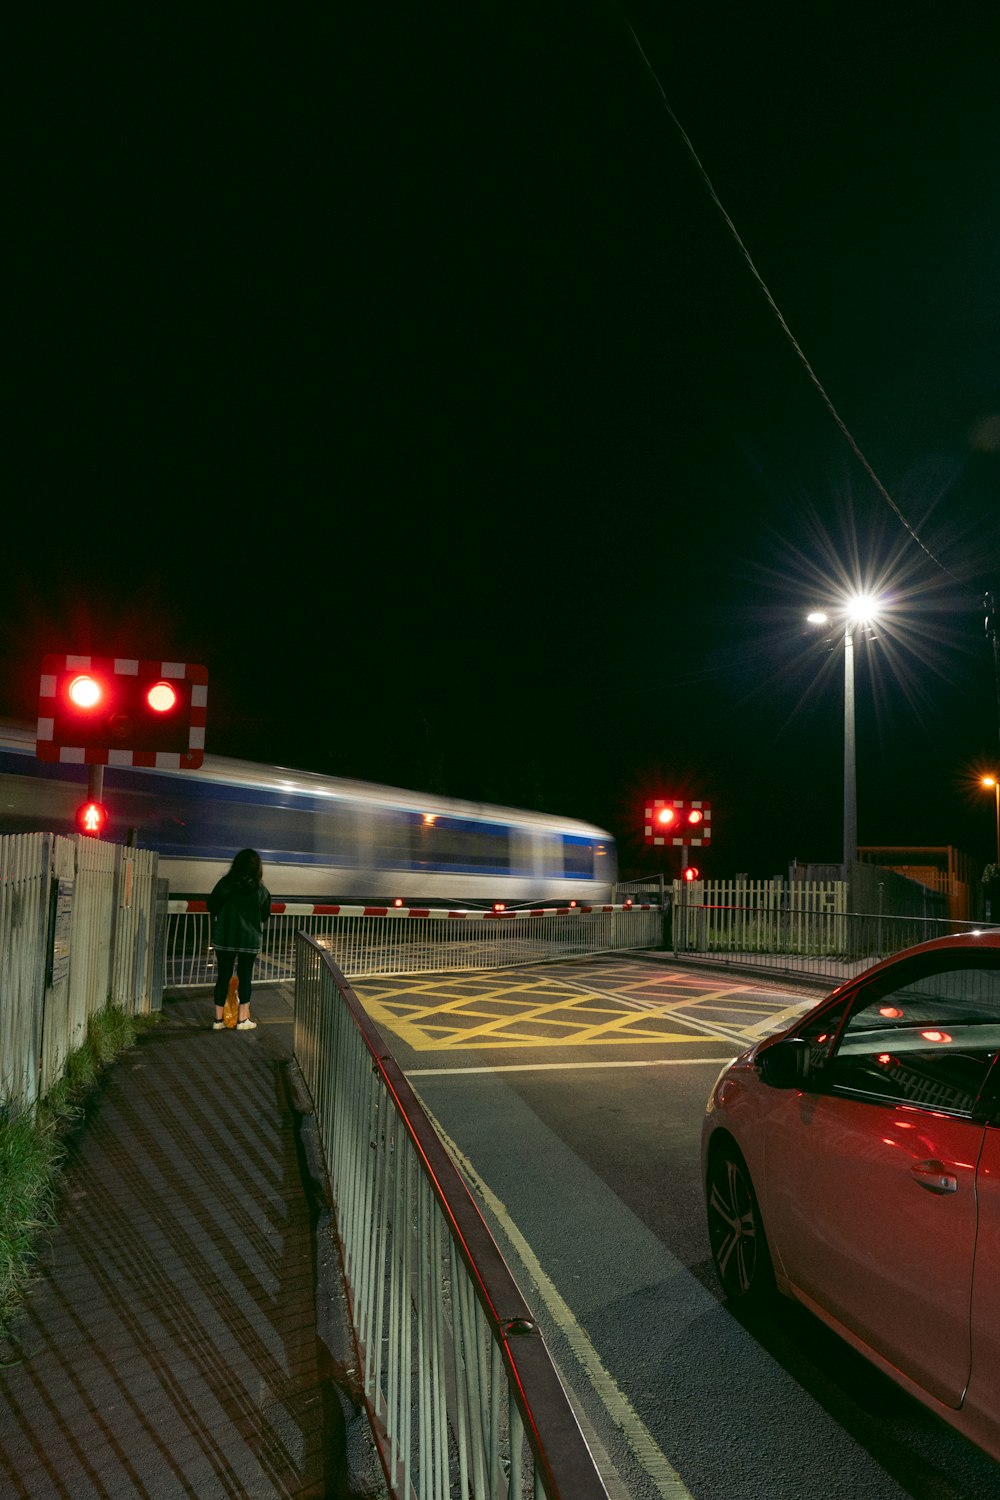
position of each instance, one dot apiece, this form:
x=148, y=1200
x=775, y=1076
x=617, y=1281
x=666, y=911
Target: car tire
x=736, y=1231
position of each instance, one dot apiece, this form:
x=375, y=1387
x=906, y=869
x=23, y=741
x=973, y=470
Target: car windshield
x=966, y=996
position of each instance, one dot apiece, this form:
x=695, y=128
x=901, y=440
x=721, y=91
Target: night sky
x=401, y=368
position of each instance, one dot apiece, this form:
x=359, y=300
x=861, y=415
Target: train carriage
x=322, y=838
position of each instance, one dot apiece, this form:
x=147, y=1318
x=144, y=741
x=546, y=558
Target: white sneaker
x=218, y=1025
x=246, y=1025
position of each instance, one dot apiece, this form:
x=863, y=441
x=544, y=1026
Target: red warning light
x=398, y=901
x=92, y=819
x=677, y=823
x=85, y=691
x=692, y=873
x=162, y=697
x=98, y=711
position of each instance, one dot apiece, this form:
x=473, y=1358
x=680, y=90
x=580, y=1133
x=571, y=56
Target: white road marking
x=645, y=1062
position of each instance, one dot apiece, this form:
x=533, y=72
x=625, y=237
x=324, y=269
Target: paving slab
x=187, y=1333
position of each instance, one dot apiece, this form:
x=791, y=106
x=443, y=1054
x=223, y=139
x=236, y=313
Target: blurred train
x=322, y=839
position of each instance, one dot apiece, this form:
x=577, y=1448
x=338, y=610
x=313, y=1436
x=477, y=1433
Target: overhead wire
x=776, y=310
x=987, y=602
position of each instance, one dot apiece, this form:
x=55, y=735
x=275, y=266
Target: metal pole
x=850, y=765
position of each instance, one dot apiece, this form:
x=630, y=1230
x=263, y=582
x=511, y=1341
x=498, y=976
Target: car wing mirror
x=787, y=1064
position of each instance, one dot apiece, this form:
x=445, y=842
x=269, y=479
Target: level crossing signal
x=122, y=712
x=92, y=818
x=678, y=823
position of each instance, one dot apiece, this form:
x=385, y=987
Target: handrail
x=415, y=1277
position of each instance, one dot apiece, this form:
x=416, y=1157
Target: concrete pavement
x=187, y=1334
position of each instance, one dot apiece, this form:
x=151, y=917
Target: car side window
x=928, y=1038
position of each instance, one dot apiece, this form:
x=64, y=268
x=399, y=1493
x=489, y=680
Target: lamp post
x=994, y=782
x=860, y=609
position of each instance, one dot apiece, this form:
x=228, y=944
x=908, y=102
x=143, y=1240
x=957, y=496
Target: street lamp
x=994, y=782
x=859, y=609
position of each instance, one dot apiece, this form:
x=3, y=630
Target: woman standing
x=240, y=904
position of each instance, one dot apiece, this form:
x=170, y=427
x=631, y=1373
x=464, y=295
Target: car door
x=870, y=1181
x=982, y=1403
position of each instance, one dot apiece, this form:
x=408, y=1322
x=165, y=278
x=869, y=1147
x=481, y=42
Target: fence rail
x=463, y=1396
x=809, y=937
x=77, y=930
x=364, y=941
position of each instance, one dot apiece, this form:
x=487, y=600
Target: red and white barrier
x=304, y=909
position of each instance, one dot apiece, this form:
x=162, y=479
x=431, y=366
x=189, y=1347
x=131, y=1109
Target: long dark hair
x=246, y=868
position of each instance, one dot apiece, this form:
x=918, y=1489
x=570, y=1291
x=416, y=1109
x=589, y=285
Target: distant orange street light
x=994, y=782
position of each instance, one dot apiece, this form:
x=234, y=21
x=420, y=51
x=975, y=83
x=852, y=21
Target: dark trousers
x=226, y=958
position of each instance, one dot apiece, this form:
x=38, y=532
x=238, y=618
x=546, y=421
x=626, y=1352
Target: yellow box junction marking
x=475, y=1012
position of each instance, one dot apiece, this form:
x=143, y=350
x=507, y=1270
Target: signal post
x=679, y=824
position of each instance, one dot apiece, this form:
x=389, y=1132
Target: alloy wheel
x=739, y=1247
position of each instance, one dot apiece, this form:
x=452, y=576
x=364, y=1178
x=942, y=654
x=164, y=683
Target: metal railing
x=462, y=1394
x=825, y=945
x=365, y=941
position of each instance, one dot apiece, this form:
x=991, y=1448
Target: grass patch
x=33, y=1150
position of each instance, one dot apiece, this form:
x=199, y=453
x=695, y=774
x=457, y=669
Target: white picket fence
x=805, y=917
x=77, y=925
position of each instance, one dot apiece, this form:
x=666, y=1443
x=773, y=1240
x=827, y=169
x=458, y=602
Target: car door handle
x=932, y=1176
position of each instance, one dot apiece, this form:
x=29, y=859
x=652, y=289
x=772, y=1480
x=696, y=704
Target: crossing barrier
x=366, y=940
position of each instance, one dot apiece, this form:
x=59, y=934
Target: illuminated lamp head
x=162, y=697
x=92, y=819
x=85, y=691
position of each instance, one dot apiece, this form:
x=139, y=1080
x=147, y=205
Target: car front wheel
x=739, y=1248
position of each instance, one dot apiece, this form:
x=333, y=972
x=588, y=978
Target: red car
x=853, y=1162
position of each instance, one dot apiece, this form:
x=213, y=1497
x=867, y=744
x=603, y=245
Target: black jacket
x=239, y=910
